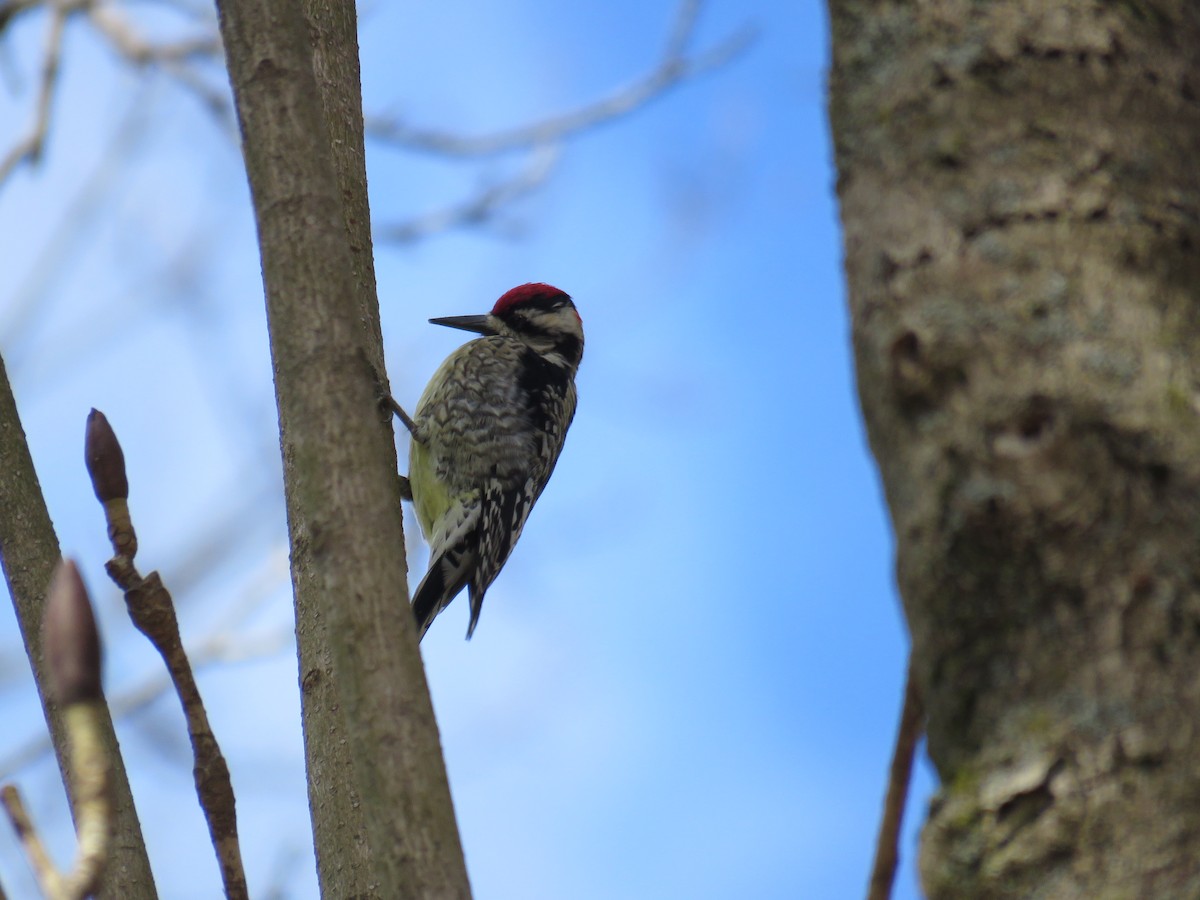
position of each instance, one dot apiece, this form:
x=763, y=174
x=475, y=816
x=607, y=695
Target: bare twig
x=135, y=48
x=172, y=57
x=545, y=137
x=3, y=894
x=175, y=58
x=675, y=66
x=10, y=9
x=908, y=733
x=681, y=31
x=481, y=208
x=93, y=811
x=219, y=647
x=29, y=148
x=224, y=643
x=35, y=850
x=34, y=293
x=153, y=613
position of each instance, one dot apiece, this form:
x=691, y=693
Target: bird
x=485, y=438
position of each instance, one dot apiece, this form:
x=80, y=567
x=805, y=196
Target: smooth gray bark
x=383, y=818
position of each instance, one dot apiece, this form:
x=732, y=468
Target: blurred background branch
x=665, y=191
x=116, y=26
x=677, y=64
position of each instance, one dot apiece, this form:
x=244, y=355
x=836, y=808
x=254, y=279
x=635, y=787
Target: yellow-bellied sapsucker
x=487, y=433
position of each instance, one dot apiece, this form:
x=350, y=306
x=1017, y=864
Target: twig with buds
x=72, y=647
x=153, y=613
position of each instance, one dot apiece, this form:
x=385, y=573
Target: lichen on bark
x=1021, y=210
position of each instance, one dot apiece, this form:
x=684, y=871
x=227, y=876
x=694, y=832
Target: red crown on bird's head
x=534, y=294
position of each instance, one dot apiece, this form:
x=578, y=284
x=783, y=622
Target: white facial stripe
x=555, y=320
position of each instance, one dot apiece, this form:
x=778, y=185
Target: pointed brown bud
x=105, y=461
x=69, y=638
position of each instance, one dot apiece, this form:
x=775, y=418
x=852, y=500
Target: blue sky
x=686, y=680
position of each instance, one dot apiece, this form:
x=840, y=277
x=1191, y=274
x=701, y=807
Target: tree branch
x=29, y=148
x=344, y=513
x=153, y=613
x=887, y=843
x=173, y=57
x=481, y=208
x=29, y=552
x=543, y=139
x=222, y=645
x=674, y=66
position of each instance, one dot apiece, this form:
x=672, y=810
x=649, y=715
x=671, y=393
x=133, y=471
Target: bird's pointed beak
x=477, y=324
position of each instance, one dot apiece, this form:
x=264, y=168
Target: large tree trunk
x=383, y=819
x=1019, y=189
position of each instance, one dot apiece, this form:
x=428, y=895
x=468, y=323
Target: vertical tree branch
x=29, y=552
x=343, y=500
x=333, y=27
x=337, y=805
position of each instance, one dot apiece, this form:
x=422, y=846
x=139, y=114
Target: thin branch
x=545, y=137
x=153, y=613
x=481, y=208
x=220, y=647
x=35, y=850
x=90, y=770
x=10, y=9
x=29, y=148
x=175, y=58
x=224, y=642
x=172, y=57
x=32, y=296
x=683, y=28
x=131, y=45
x=908, y=733
x=674, y=67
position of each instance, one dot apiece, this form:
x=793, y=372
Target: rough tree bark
x=29, y=551
x=1021, y=202
x=383, y=819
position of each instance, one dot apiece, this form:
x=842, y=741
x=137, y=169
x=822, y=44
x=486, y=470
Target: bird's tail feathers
x=447, y=576
x=476, y=605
